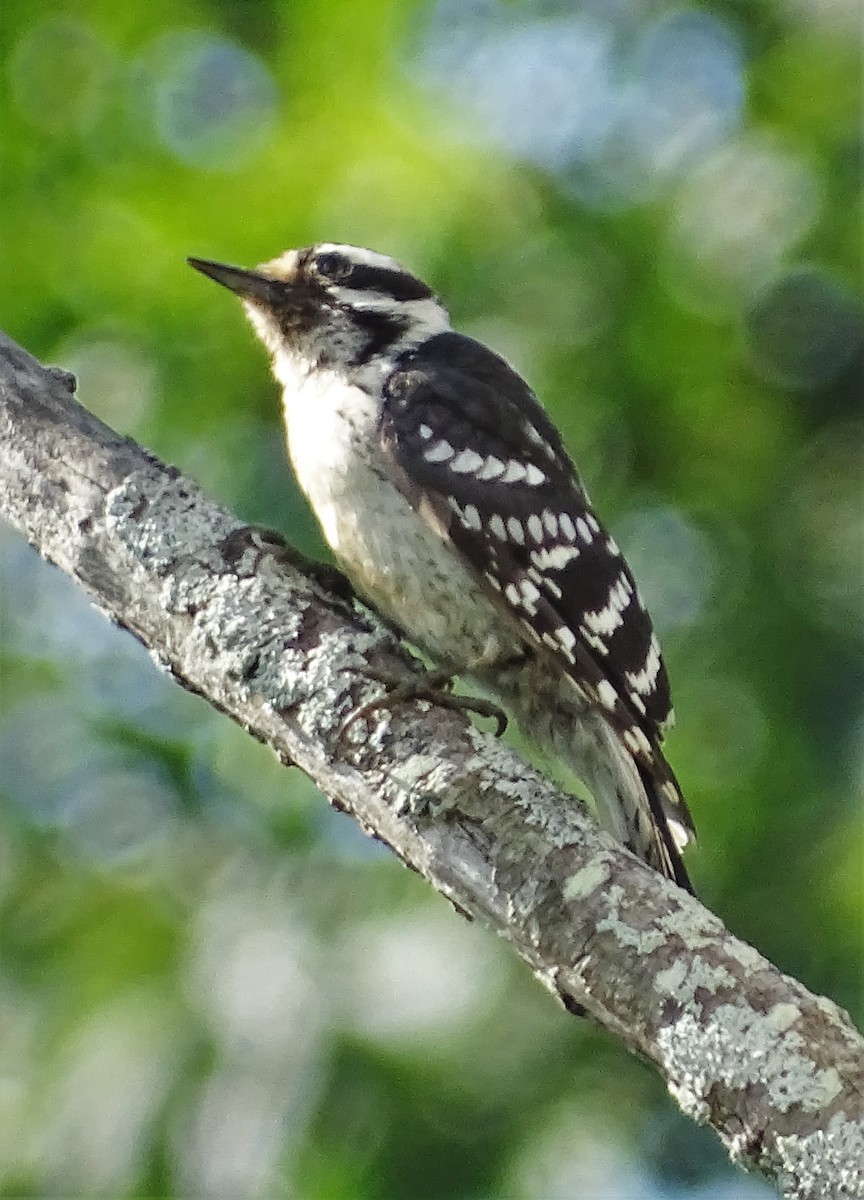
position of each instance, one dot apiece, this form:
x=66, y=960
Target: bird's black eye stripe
x=398, y=285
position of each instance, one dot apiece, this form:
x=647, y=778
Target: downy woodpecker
x=450, y=501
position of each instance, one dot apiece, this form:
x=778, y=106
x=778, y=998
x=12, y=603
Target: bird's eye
x=332, y=267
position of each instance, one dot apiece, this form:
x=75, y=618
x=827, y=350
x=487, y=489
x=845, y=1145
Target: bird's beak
x=247, y=284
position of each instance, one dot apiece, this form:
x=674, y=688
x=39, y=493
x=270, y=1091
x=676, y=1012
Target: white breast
x=398, y=562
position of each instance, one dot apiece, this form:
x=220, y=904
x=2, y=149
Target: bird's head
x=332, y=305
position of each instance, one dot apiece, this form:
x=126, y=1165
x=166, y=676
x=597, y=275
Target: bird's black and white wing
x=470, y=443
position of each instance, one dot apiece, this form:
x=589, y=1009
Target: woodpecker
x=448, y=498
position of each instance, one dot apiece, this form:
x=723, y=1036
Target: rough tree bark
x=776, y=1071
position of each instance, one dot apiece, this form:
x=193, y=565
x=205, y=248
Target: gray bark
x=776, y=1071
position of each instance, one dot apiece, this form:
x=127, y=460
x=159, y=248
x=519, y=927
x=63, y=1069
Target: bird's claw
x=434, y=687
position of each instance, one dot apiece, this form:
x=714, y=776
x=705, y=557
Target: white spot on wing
x=471, y=517
x=567, y=637
x=567, y=527
x=440, y=452
x=636, y=740
x=514, y=472
x=561, y=641
x=584, y=531
x=644, y=681
x=681, y=835
x=466, y=462
x=514, y=528
x=491, y=469
x=533, y=436
x=555, y=558
x=535, y=527
x=424, y=431
x=534, y=475
x=607, y=619
x=530, y=595
x=606, y=694
x=595, y=642
x=550, y=521
x=496, y=527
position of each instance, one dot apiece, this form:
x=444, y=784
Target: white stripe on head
x=426, y=316
x=358, y=254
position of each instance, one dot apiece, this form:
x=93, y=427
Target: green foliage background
x=210, y=984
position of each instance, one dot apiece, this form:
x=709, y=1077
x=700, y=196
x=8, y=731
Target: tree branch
x=776, y=1071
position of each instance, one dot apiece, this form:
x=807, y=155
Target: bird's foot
x=432, y=686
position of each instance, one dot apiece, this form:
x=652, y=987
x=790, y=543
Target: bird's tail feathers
x=669, y=827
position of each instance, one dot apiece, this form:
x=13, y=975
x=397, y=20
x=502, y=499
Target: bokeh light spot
x=541, y=88
x=91, y=790
x=725, y=728
x=567, y=93
x=417, y=977
x=214, y=103
x=103, y=1087
x=735, y=217
x=821, y=533
x=107, y=672
x=673, y=562
x=688, y=93
x=58, y=73
x=804, y=330
x=121, y=815
x=118, y=377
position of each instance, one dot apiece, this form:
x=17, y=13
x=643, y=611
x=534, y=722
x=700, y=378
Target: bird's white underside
x=332, y=438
